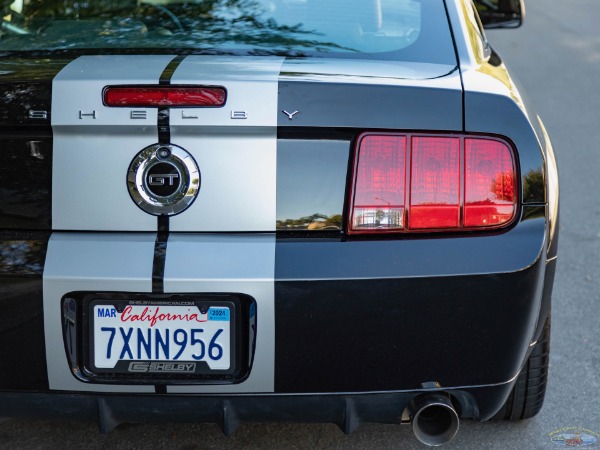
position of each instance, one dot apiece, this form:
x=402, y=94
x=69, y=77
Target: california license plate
x=140, y=337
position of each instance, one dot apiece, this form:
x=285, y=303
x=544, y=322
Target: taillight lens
x=379, y=184
x=406, y=183
x=434, y=183
x=490, y=191
x=162, y=96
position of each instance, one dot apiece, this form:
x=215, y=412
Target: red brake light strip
x=164, y=96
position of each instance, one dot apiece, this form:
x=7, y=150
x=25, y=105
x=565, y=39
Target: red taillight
x=406, y=183
x=490, y=191
x=434, y=183
x=157, y=96
x=379, y=184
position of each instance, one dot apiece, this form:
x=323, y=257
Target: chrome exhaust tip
x=434, y=419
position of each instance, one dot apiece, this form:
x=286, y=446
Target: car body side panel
x=495, y=102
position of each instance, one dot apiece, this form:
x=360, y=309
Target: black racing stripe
x=164, y=137
x=158, y=269
x=164, y=131
x=165, y=77
x=160, y=246
x=160, y=255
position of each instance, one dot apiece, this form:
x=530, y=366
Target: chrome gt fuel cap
x=163, y=179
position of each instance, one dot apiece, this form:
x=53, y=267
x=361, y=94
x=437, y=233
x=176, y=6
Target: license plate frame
x=202, y=372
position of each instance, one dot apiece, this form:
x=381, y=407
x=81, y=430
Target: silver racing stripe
x=236, y=152
x=90, y=262
x=94, y=144
x=235, y=146
x=230, y=263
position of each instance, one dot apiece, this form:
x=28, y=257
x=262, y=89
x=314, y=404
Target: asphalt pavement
x=556, y=55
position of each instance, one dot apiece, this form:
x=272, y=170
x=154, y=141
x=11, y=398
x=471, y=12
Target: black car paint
x=23, y=350
x=25, y=216
x=26, y=142
x=417, y=310
x=366, y=107
x=311, y=181
x=487, y=112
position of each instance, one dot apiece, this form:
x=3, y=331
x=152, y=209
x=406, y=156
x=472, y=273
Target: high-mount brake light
x=163, y=96
x=432, y=183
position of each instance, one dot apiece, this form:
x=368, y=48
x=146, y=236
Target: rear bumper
x=360, y=323
x=348, y=411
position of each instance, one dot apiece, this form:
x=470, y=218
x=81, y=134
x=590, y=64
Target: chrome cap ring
x=163, y=179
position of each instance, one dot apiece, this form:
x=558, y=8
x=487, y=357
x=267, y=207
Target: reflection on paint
x=314, y=222
x=22, y=257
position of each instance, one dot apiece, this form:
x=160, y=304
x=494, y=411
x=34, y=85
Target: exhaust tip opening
x=435, y=423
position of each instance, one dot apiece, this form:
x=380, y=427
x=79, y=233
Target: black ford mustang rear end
x=270, y=210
